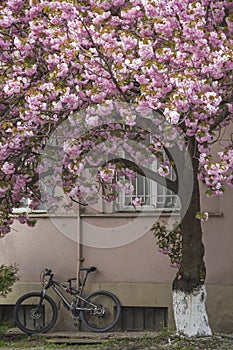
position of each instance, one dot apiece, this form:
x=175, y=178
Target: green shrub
x=8, y=276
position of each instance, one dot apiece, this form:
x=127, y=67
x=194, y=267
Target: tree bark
x=189, y=293
x=190, y=312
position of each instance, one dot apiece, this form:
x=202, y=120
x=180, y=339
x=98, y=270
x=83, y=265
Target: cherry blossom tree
x=173, y=58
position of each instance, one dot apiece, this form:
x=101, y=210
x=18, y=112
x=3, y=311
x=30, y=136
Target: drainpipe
x=79, y=242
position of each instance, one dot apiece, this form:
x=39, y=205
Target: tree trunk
x=189, y=293
x=190, y=312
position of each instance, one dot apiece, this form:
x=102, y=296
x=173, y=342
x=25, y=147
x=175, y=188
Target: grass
x=165, y=340
x=4, y=326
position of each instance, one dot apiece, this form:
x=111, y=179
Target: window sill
x=135, y=213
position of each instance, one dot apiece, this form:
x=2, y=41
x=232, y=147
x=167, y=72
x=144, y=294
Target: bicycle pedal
x=77, y=318
x=75, y=322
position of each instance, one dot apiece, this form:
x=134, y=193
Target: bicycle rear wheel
x=102, y=311
x=35, y=314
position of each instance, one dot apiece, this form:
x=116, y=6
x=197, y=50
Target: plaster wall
x=136, y=271
x=34, y=249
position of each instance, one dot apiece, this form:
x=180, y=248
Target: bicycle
x=36, y=312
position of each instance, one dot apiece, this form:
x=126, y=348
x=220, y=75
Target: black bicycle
x=36, y=312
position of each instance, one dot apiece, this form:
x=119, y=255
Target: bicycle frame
x=66, y=302
x=75, y=292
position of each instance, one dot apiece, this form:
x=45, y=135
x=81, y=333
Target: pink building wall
x=136, y=271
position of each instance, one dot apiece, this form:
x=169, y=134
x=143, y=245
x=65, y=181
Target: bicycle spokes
x=35, y=314
x=104, y=312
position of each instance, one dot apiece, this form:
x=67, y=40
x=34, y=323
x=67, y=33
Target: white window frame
x=25, y=208
x=153, y=195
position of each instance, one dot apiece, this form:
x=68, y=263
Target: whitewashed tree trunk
x=190, y=312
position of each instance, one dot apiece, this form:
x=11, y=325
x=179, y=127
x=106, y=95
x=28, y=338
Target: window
x=153, y=195
x=25, y=208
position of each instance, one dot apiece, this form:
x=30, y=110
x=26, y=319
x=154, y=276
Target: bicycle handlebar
x=48, y=272
x=88, y=269
x=44, y=273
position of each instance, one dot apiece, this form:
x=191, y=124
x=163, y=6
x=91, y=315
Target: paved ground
x=117, y=341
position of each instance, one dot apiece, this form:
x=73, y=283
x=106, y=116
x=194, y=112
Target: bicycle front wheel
x=101, y=311
x=34, y=313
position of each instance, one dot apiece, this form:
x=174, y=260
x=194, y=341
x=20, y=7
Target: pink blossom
x=163, y=170
x=146, y=51
x=8, y=168
x=128, y=188
x=172, y=116
x=130, y=120
x=107, y=174
x=137, y=201
x=92, y=120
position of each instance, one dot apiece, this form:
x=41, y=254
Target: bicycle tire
x=109, y=310
x=31, y=319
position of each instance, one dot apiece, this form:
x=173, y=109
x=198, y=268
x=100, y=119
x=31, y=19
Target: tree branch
x=222, y=116
x=152, y=175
